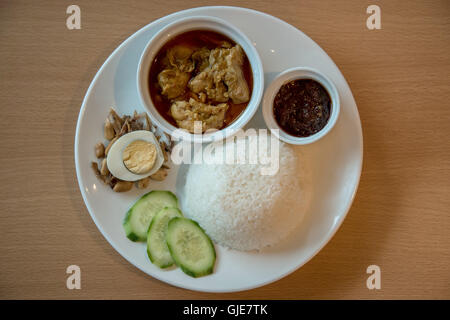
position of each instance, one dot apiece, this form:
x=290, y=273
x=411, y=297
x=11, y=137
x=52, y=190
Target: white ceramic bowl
x=295, y=74
x=200, y=23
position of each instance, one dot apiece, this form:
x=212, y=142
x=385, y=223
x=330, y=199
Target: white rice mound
x=241, y=209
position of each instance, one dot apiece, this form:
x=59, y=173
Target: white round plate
x=335, y=161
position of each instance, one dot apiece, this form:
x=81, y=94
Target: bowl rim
x=297, y=73
x=178, y=27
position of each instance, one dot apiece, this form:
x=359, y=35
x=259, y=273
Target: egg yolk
x=139, y=156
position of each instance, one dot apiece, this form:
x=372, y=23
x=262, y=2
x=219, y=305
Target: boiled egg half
x=134, y=156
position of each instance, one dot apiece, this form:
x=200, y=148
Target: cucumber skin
x=186, y=270
x=129, y=233
x=164, y=266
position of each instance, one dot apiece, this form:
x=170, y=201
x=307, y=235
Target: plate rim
x=325, y=241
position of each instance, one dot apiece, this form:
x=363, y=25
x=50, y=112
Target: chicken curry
x=202, y=76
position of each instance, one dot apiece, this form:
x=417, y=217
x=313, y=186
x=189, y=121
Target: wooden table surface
x=400, y=220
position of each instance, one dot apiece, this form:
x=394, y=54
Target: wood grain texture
x=400, y=220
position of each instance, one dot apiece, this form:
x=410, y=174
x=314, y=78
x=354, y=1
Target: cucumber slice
x=190, y=247
x=157, y=249
x=140, y=215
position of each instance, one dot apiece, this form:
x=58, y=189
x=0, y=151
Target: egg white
x=114, y=159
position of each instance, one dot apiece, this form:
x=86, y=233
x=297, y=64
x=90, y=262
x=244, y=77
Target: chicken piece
x=225, y=44
x=211, y=79
x=202, y=97
x=173, y=82
x=234, y=77
x=201, y=59
x=180, y=58
x=206, y=82
x=223, y=79
x=186, y=113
